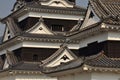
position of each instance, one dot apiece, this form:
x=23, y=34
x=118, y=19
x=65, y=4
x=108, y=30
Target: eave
x=83, y=69
x=15, y=14
x=35, y=38
x=58, y=53
x=86, y=64
x=45, y=9
x=93, y=30
x=9, y=72
x=71, y=11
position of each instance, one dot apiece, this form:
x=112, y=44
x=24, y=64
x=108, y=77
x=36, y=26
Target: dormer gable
x=102, y=11
x=61, y=56
x=91, y=18
x=40, y=28
x=11, y=29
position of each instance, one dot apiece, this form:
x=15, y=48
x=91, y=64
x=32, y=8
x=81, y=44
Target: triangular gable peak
x=99, y=62
x=99, y=10
x=11, y=29
x=91, y=18
x=40, y=28
x=61, y=56
x=58, y=3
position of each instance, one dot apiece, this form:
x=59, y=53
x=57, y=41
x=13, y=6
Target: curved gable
x=57, y=3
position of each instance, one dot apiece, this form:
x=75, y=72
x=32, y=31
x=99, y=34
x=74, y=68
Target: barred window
x=57, y=27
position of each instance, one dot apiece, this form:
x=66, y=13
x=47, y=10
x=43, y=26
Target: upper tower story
x=55, y=3
x=49, y=17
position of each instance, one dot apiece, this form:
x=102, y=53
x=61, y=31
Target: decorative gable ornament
x=40, y=28
x=61, y=56
x=57, y=3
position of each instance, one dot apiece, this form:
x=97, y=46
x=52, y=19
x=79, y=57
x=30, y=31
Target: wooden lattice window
x=57, y=27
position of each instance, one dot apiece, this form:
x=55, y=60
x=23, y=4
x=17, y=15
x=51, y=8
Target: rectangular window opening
x=57, y=27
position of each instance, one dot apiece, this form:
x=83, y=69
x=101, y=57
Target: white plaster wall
x=48, y=45
x=27, y=77
x=91, y=76
x=105, y=76
x=68, y=77
x=100, y=37
x=37, y=45
x=57, y=5
x=83, y=76
x=49, y=15
x=62, y=3
x=114, y=36
x=77, y=76
x=7, y=78
x=33, y=77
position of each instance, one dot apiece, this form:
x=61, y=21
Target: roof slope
x=58, y=53
x=105, y=8
x=99, y=61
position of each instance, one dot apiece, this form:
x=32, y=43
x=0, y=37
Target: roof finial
x=41, y=19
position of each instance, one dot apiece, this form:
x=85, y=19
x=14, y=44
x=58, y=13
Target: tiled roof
x=59, y=10
x=100, y=61
x=58, y=53
x=27, y=66
x=107, y=9
x=103, y=61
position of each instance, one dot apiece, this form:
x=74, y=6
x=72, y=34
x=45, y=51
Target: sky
x=6, y=7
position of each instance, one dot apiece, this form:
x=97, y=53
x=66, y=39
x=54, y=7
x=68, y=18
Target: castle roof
x=98, y=62
x=107, y=10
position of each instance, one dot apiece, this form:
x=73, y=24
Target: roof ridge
x=61, y=49
x=100, y=54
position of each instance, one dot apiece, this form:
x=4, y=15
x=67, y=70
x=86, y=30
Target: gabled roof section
x=40, y=28
x=101, y=60
x=96, y=62
x=12, y=25
x=106, y=11
x=62, y=55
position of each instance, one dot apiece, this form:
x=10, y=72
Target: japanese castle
x=58, y=40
